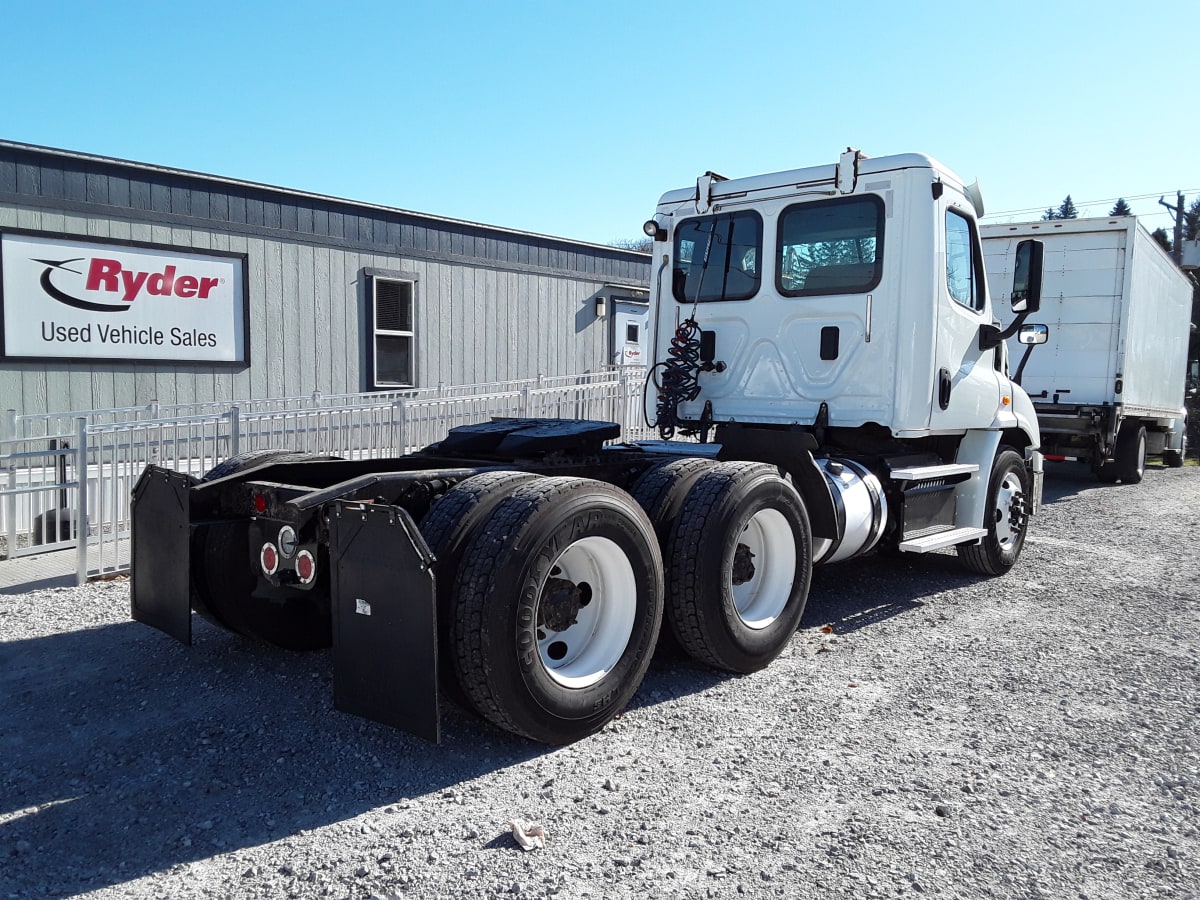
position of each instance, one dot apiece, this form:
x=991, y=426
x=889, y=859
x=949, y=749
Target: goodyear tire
x=1007, y=517
x=225, y=589
x=1131, y=453
x=448, y=527
x=739, y=564
x=557, y=608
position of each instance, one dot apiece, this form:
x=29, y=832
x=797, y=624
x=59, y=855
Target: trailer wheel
x=224, y=576
x=1131, y=453
x=739, y=565
x=448, y=528
x=1008, y=517
x=1173, y=459
x=558, y=606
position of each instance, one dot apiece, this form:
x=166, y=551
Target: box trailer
x=1108, y=385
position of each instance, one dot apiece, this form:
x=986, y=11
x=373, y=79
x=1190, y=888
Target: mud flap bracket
x=161, y=552
x=384, y=618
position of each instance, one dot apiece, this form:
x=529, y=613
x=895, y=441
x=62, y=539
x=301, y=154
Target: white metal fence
x=69, y=474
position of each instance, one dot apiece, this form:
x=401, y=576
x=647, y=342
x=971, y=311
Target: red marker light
x=306, y=567
x=268, y=557
x=260, y=503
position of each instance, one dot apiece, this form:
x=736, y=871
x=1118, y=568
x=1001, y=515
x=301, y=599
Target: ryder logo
x=108, y=276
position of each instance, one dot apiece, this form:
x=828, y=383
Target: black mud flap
x=384, y=618
x=160, y=563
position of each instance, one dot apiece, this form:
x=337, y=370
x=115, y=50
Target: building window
x=393, y=305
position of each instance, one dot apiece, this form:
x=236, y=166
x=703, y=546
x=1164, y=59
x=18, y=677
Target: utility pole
x=1177, y=212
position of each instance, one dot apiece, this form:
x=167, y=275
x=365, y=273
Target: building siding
x=490, y=304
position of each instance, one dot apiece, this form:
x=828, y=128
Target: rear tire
x=1007, y=517
x=1131, y=453
x=558, y=606
x=448, y=528
x=252, y=458
x=739, y=564
x=662, y=488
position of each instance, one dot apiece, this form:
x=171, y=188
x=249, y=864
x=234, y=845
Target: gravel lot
x=928, y=733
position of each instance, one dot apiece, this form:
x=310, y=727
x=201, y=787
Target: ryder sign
x=79, y=299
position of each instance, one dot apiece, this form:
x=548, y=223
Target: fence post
x=81, y=478
x=235, y=429
x=399, y=426
x=523, y=407
x=10, y=507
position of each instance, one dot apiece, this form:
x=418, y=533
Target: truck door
x=628, y=335
x=966, y=389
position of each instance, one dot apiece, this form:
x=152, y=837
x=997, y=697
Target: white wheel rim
x=586, y=647
x=1008, y=496
x=1141, y=457
x=760, y=598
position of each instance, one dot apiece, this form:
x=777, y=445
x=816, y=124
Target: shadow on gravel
x=867, y=591
x=123, y=753
x=1068, y=479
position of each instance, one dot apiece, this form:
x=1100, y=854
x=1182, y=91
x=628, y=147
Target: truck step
x=928, y=473
x=942, y=539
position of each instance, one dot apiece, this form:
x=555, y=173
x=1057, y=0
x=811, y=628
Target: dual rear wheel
x=552, y=591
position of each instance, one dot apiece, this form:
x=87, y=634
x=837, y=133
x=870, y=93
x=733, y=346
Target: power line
x=1040, y=209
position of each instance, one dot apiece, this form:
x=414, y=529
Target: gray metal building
x=126, y=283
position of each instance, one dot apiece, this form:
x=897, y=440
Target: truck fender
x=971, y=498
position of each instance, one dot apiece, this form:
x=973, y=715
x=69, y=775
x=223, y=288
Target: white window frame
x=378, y=332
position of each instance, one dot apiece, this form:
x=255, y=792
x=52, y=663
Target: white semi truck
x=1109, y=384
x=828, y=336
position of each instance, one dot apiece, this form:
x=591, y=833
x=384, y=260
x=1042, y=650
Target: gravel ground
x=928, y=733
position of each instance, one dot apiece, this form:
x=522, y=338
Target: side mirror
x=1033, y=334
x=1027, y=277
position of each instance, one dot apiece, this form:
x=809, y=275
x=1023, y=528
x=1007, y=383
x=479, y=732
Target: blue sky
x=572, y=118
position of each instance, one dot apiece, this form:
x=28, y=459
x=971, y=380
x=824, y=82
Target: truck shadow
x=124, y=754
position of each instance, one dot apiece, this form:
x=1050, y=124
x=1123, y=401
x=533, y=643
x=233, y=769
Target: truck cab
x=847, y=302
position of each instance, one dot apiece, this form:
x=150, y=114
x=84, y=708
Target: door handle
x=944, y=385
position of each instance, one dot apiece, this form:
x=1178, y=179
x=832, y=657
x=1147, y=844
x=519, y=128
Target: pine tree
x=1164, y=239
x=1191, y=221
x=1067, y=209
x=1050, y=214
x=1120, y=208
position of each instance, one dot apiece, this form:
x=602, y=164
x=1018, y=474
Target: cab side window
x=962, y=262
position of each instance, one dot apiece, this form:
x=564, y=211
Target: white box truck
x=1108, y=385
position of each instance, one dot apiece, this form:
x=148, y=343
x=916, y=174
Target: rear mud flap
x=160, y=563
x=384, y=618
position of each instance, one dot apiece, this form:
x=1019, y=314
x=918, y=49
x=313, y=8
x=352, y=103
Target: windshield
x=717, y=258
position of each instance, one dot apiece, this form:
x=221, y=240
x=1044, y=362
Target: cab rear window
x=718, y=258
x=830, y=247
